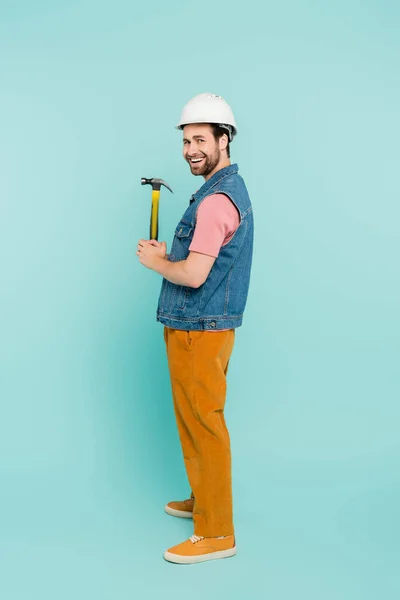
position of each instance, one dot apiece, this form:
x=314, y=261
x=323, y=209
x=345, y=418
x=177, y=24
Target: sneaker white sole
x=183, y=514
x=189, y=560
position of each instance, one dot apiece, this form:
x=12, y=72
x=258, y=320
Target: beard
x=209, y=164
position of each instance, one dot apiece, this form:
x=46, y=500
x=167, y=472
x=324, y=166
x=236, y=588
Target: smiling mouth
x=195, y=161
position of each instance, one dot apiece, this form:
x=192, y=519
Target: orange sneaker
x=199, y=549
x=183, y=508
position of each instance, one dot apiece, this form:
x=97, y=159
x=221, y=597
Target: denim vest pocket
x=183, y=230
x=182, y=240
x=183, y=296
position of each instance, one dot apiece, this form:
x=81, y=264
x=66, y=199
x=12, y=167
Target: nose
x=191, y=148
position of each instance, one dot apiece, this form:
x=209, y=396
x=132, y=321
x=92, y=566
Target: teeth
x=196, y=160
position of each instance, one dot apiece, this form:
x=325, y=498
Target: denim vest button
x=213, y=324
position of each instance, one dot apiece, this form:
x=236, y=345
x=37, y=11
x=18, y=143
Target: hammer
x=155, y=198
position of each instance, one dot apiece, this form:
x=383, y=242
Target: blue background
x=89, y=454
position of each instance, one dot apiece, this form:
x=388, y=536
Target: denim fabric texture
x=220, y=302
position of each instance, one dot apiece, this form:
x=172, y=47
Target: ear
x=223, y=142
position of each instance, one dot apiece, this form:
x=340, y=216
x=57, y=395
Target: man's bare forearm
x=175, y=272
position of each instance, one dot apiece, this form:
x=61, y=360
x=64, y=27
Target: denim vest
x=220, y=302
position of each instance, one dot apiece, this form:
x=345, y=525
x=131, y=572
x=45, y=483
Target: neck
x=221, y=165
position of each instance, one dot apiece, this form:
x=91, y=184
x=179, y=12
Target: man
x=204, y=291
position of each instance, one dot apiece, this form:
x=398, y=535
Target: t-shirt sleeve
x=217, y=220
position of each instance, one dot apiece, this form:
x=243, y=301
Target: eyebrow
x=194, y=137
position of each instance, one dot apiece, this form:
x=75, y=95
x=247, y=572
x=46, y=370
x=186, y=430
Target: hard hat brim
x=209, y=122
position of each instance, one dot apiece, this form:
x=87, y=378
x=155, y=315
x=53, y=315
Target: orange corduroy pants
x=198, y=364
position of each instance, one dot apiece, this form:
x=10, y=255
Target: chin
x=194, y=172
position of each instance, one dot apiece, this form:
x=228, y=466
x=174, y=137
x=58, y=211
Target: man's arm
x=191, y=272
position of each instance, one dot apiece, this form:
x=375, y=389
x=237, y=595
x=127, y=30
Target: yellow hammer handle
x=155, y=198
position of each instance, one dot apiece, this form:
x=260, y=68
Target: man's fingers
x=157, y=244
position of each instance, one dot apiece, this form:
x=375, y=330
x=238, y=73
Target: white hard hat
x=209, y=108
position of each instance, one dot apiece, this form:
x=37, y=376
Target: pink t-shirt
x=217, y=220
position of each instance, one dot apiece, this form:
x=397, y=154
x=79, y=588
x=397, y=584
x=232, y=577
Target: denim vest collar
x=216, y=178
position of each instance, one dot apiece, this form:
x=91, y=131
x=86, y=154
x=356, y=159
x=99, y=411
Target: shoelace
x=196, y=538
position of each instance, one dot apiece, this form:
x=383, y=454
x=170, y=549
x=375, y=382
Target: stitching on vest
x=227, y=290
x=203, y=318
x=248, y=211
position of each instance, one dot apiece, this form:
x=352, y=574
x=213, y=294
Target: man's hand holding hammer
x=149, y=251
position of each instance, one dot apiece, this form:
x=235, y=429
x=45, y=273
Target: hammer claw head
x=155, y=183
x=165, y=184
